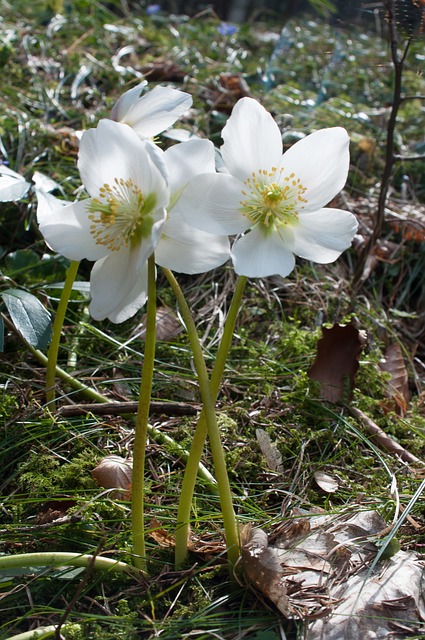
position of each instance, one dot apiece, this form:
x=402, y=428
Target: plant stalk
x=198, y=443
x=229, y=518
x=62, y=558
x=141, y=428
x=52, y=353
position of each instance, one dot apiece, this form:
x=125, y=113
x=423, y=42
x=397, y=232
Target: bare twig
x=390, y=157
x=122, y=408
x=382, y=438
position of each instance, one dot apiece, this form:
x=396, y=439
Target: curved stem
x=45, y=632
x=52, y=353
x=62, y=558
x=195, y=454
x=229, y=518
x=141, y=428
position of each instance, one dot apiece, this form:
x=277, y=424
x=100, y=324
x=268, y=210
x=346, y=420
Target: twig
x=120, y=408
x=390, y=157
x=71, y=604
x=382, y=438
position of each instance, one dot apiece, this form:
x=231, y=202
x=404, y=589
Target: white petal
x=321, y=162
x=13, y=186
x=44, y=183
x=323, y=235
x=187, y=250
x=189, y=159
x=118, y=286
x=66, y=228
x=156, y=110
x=252, y=139
x=211, y=202
x=126, y=101
x=113, y=151
x=258, y=255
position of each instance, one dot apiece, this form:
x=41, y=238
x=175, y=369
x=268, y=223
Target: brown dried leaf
x=269, y=451
x=161, y=535
x=114, y=472
x=168, y=326
x=337, y=361
x=398, y=387
x=324, y=577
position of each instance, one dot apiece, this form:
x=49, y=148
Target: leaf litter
x=318, y=568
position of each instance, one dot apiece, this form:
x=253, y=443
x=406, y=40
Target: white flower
x=276, y=201
x=13, y=186
x=120, y=225
x=152, y=112
x=183, y=248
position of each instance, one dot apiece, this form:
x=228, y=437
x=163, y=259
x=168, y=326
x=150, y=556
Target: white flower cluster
x=175, y=204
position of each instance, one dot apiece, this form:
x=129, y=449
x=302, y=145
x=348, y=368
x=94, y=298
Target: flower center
x=272, y=200
x=121, y=214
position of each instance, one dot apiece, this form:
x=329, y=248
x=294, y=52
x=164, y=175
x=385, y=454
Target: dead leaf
x=323, y=577
x=337, y=361
x=161, y=535
x=114, y=472
x=168, y=326
x=398, y=387
x=269, y=450
x=326, y=482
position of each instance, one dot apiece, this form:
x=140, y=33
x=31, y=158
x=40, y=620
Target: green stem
x=45, y=632
x=141, y=429
x=196, y=450
x=52, y=354
x=229, y=518
x=61, y=558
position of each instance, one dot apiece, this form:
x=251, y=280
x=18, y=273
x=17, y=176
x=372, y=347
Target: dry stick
x=390, y=157
x=88, y=573
x=121, y=408
x=382, y=438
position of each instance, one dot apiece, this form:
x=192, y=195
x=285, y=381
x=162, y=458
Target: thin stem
x=229, y=518
x=192, y=465
x=52, y=354
x=141, y=428
x=62, y=558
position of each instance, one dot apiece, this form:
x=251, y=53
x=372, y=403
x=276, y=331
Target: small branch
x=121, y=408
x=382, y=438
x=401, y=158
x=378, y=222
x=418, y=97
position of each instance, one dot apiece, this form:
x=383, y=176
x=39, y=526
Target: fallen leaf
x=323, y=577
x=398, y=387
x=168, y=326
x=269, y=450
x=161, y=535
x=326, y=482
x=114, y=472
x=337, y=361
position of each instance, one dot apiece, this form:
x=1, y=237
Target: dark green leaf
x=29, y=316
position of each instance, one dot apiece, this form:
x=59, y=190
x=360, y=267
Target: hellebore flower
x=120, y=225
x=183, y=248
x=152, y=112
x=13, y=186
x=275, y=201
